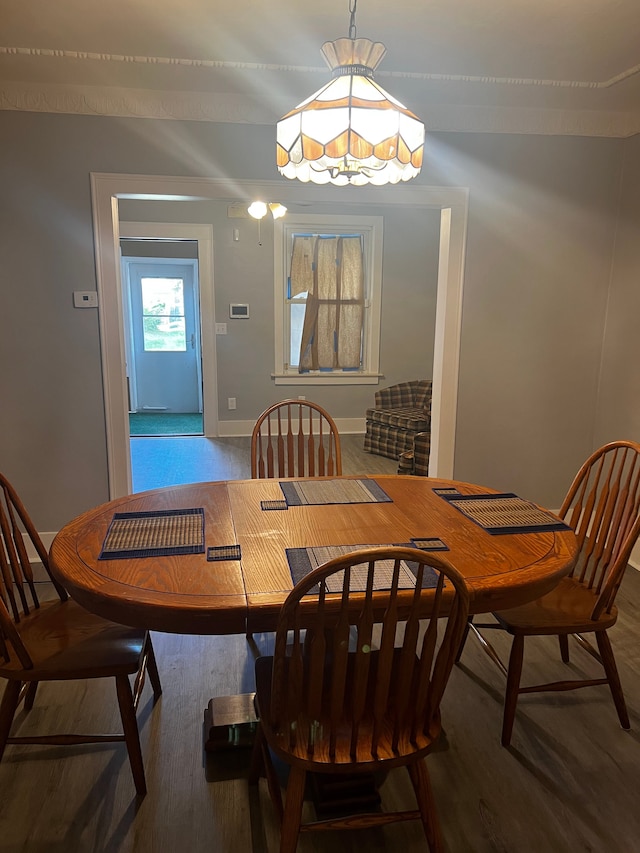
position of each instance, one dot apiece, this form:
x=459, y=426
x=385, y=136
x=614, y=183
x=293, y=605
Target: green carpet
x=164, y=423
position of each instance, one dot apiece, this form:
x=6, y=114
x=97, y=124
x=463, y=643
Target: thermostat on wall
x=85, y=299
x=238, y=312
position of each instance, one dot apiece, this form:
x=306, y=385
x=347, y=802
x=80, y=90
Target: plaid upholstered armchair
x=399, y=425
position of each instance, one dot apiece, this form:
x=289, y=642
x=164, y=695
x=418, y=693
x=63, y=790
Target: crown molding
x=89, y=56
x=241, y=109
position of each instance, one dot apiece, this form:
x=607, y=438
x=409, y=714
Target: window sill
x=318, y=378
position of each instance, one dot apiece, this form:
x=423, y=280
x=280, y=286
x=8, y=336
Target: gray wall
x=542, y=218
x=158, y=248
x=619, y=399
x=541, y=235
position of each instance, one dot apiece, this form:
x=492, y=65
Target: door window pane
x=163, y=322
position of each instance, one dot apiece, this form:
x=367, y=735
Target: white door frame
x=106, y=189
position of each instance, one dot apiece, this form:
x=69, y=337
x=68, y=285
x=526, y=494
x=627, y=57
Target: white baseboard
x=237, y=429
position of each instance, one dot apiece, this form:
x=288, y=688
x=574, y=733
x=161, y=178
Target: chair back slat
x=16, y=570
x=603, y=507
x=321, y=455
x=364, y=625
x=295, y=438
x=361, y=703
x=15, y=567
x=316, y=651
x=269, y=453
x=338, y=662
x=18, y=594
x=385, y=658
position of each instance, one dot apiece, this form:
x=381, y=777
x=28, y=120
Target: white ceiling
x=529, y=66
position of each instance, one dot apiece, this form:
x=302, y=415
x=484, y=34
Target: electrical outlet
x=231, y=403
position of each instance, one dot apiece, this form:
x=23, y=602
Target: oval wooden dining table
x=187, y=593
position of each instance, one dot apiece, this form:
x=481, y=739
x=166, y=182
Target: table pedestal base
x=230, y=725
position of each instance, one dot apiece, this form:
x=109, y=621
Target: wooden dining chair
x=58, y=640
x=603, y=507
x=295, y=438
x=359, y=691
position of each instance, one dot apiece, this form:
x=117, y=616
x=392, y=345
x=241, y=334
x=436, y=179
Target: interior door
x=165, y=368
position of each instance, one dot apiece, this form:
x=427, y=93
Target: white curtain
x=331, y=271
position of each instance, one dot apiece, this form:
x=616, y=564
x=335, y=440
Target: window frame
x=372, y=229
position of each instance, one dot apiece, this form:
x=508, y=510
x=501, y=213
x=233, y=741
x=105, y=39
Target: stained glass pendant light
x=350, y=131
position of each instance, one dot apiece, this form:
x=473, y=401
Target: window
x=163, y=322
x=328, y=276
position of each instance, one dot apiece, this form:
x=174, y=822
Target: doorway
x=107, y=189
x=169, y=363
x=162, y=325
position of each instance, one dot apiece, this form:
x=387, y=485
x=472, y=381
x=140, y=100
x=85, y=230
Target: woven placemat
x=505, y=513
x=154, y=534
x=308, y=492
x=305, y=560
x=223, y=552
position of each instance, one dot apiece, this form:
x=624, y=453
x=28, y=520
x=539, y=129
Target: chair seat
x=66, y=642
x=565, y=610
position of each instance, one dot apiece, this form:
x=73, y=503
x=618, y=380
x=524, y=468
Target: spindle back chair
x=357, y=676
x=603, y=508
x=57, y=640
x=295, y=438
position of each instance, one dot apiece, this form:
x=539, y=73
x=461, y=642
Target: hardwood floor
x=170, y=461
x=567, y=784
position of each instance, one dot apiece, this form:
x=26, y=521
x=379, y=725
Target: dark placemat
x=223, y=552
x=305, y=560
x=315, y=492
x=159, y=533
x=505, y=513
x=428, y=543
x=273, y=505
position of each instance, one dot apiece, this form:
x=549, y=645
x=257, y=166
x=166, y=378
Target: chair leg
x=8, y=707
x=152, y=669
x=290, y=829
x=30, y=695
x=513, y=685
x=256, y=766
x=464, y=639
x=611, y=670
x=261, y=759
x=563, y=639
x=131, y=734
x=426, y=803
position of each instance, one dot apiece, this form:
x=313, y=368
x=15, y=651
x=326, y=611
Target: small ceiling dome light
x=350, y=131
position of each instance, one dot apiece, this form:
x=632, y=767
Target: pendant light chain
x=352, y=22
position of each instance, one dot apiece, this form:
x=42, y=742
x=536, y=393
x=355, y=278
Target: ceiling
x=511, y=66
